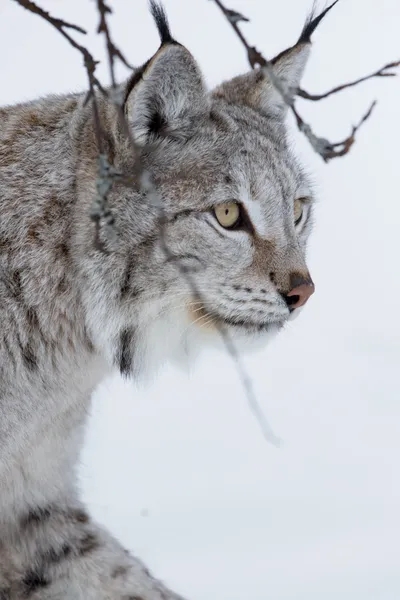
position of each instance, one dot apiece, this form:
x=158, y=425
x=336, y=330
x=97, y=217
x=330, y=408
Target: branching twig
x=107, y=175
x=61, y=26
x=112, y=51
x=154, y=200
x=326, y=149
x=383, y=72
x=100, y=210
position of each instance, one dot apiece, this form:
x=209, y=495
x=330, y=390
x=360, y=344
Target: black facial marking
x=244, y=222
x=34, y=580
x=30, y=360
x=125, y=287
x=36, y=516
x=125, y=352
x=239, y=301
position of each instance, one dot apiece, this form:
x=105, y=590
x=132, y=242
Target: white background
x=178, y=470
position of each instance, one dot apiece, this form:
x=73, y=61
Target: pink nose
x=302, y=289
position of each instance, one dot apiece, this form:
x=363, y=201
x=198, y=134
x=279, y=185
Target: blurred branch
x=112, y=51
x=154, y=200
x=383, y=72
x=107, y=174
x=100, y=210
x=326, y=149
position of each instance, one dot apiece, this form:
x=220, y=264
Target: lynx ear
x=256, y=89
x=167, y=97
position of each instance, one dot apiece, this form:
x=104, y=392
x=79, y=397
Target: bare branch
x=61, y=26
x=255, y=57
x=100, y=210
x=154, y=200
x=326, y=149
x=107, y=174
x=236, y=17
x=383, y=72
x=57, y=23
x=112, y=51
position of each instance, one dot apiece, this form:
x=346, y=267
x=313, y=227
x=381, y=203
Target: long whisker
x=173, y=294
x=203, y=316
x=210, y=320
x=187, y=305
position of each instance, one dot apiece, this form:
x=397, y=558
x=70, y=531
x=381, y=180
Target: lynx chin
x=238, y=211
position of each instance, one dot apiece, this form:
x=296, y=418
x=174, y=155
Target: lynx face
x=237, y=207
x=240, y=210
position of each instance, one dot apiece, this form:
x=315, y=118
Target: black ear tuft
x=312, y=24
x=161, y=19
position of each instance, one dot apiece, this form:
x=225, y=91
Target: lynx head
x=236, y=207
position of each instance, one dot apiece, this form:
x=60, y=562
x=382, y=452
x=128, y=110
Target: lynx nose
x=301, y=289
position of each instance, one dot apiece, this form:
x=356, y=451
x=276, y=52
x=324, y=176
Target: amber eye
x=227, y=214
x=297, y=211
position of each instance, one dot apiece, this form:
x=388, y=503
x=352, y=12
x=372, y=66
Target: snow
x=179, y=470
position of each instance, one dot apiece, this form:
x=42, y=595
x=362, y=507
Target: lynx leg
x=60, y=554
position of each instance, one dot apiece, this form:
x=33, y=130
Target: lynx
x=237, y=215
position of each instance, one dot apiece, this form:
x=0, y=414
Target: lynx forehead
x=238, y=212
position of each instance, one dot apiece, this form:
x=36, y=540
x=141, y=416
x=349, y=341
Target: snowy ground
x=179, y=470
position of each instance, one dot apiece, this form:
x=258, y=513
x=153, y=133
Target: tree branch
x=326, y=149
x=149, y=189
x=100, y=209
x=107, y=175
x=112, y=51
x=383, y=72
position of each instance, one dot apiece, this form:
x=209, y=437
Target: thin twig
x=100, y=211
x=326, y=149
x=383, y=72
x=254, y=56
x=149, y=189
x=61, y=26
x=112, y=51
x=107, y=175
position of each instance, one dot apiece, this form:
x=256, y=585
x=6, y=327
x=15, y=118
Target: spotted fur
x=70, y=312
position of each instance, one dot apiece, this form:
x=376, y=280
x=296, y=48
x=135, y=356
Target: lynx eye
x=227, y=214
x=298, y=211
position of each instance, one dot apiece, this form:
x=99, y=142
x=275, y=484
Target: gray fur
x=70, y=312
